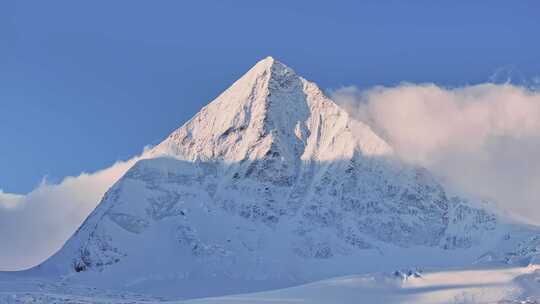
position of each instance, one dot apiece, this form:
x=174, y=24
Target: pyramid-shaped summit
x=270, y=185
x=271, y=110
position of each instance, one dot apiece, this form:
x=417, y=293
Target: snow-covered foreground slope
x=509, y=285
x=269, y=186
x=458, y=286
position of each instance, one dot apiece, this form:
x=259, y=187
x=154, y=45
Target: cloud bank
x=482, y=140
x=35, y=225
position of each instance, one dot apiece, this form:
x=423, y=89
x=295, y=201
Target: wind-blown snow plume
x=483, y=139
x=35, y=225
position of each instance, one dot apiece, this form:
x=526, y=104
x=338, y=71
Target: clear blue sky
x=86, y=83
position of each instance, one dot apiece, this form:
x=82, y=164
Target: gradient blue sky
x=86, y=83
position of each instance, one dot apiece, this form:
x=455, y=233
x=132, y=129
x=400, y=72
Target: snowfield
x=272, y=193
x=482, y=285
x=505, y=285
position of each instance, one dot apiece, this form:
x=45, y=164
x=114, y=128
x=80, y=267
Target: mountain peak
x=270, y=182
x=269, y=62
x=277, y=75
x=271, y=109
x=264, y=64
x=272, y=73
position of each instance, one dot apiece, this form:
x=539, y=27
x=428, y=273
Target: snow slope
x=508, y=285
x=273, y=185
x=458, y=286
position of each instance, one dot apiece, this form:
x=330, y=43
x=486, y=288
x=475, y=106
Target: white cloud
x=9, y=200
x=481, y=139
x=35, y=225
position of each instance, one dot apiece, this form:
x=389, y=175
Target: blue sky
x=83, y=84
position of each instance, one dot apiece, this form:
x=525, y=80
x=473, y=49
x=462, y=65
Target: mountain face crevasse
x=271, y=181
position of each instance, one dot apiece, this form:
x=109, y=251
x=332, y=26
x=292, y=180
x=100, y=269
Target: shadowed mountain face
x=269, y=185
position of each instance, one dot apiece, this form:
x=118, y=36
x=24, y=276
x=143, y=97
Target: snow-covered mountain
x=270, y=185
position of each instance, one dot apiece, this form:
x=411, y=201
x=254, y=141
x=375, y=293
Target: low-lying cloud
x=483, y=140
x=35, y=225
